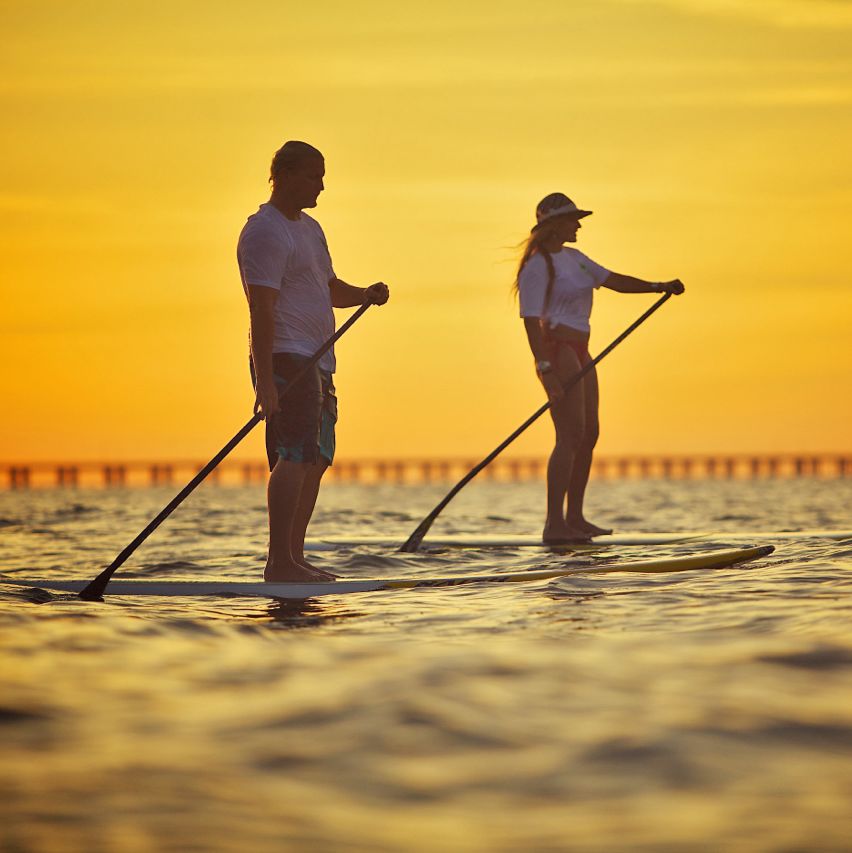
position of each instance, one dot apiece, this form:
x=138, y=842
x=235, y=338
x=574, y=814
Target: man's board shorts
x=303, y=428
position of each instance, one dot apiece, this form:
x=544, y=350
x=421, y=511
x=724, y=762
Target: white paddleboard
x=486, y=540
x=119, y=586
x=521, y=540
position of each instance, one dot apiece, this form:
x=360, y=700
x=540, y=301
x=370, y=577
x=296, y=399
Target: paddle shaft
x=413, y=541
x=96, y=588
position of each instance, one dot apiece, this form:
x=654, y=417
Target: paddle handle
x=413, y=541
x=96, y=588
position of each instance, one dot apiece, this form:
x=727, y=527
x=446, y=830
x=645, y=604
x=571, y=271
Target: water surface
x=691, y=711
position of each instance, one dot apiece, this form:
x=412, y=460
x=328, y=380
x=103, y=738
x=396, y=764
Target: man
x=291, y=288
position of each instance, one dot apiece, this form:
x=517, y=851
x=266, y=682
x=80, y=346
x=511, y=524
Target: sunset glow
x=711, y=143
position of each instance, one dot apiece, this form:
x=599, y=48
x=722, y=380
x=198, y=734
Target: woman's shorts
x=581, y=348
x=303, y=428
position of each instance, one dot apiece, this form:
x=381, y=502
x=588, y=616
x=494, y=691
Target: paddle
x=96, y=588
x=413, y=541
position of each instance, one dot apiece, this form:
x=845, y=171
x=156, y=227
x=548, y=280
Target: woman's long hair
x=534, y=246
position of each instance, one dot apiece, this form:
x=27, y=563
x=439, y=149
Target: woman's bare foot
x=281, y=571
x=562, y=534
x=593, y=529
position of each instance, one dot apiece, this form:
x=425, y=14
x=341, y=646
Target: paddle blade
x=95, y=590
x=413, y=542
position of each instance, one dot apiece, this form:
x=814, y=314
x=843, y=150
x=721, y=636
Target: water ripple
x=694, y=711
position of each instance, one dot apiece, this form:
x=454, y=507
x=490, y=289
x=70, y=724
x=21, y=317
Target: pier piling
x=24, y=475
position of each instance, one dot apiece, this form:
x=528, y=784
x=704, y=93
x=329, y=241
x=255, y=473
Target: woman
x=555, y=285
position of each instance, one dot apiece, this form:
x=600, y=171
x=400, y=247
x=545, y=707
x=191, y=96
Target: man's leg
x=284, y=495
x=304, y=511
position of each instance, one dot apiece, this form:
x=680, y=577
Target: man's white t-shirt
x=292, y=257
x=575, y=279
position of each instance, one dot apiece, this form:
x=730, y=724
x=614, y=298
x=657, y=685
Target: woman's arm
x=629, y=284
x=532, y=325
x=546, y=370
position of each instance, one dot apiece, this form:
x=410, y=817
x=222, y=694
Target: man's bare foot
x=281, y=571
x=322, y=573
x=592, y=529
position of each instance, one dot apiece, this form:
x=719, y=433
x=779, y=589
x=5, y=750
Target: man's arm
x=629, y=284
x=345, y=295
x=262, y=312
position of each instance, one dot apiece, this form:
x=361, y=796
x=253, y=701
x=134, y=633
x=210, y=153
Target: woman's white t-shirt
x=292, y=257
x=575, y=279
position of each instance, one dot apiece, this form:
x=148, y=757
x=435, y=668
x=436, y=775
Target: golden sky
x=710, y=137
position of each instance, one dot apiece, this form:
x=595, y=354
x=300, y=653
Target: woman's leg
x=568, y=421
x=583, y=459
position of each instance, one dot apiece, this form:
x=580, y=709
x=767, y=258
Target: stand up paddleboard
x=521, y=540
x=487, y=540
x=707, y=560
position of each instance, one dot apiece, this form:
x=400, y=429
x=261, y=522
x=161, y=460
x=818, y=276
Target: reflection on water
x=691, y=711
x=306, y=614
